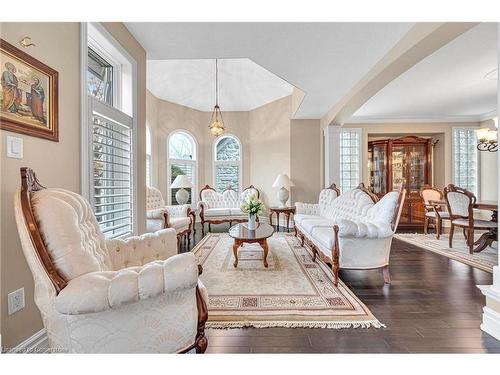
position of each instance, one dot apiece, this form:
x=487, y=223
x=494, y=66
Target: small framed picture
x=28, y=94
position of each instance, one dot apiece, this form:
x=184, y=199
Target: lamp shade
x=283, y=181
x=181, y=181
x=482, y=134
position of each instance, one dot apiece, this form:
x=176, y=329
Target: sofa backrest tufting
x=326, y=198
x=154, y=199
x=229, y=198
x=350, y=205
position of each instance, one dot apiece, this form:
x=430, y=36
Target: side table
x=287, y=211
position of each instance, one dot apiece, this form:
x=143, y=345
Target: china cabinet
x=403, y=162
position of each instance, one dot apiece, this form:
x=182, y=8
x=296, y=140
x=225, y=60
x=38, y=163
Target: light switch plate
x=14, y=147
x=15, y=301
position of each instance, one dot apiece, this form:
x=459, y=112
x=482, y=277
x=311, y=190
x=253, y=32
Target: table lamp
x=181, y=182
x=283, y=182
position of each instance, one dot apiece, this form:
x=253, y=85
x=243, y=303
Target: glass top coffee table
x=242, y=234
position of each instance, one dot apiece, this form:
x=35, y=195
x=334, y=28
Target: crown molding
x=419, y=119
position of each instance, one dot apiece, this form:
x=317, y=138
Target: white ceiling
x=323, y=59
x=450, y=84
x=243, y=84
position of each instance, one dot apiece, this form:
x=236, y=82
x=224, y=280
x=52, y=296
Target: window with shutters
x=182, y=161
x=108, y=136
x=465, y=160
x=227, y=163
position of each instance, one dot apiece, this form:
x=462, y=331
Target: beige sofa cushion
x=71, y=232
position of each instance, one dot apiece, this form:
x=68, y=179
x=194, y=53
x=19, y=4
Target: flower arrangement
x=253, y=206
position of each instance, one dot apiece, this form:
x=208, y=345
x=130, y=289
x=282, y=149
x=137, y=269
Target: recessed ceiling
x=457, y=83
x=243, y=85
x=324, y=60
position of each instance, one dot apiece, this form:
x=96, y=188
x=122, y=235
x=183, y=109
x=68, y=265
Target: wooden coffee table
x=242, y=234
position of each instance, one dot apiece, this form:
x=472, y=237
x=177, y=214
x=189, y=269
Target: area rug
x=293, y=291
x=484, y=260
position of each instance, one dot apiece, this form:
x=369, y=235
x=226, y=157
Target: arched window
x=182, y=160
x=227, y=163
x=149, y=158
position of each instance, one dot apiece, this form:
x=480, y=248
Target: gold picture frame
x=28, y=94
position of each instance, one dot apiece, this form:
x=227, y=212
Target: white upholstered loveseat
x=217, y=208
x=108, y=296
x=351, y=231
x=160, y=216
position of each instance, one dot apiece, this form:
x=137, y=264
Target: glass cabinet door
x=378, y=170
x=417, y=167
x=398, y=167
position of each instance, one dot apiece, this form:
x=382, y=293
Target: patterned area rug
x=292, y=292
x=484, y=260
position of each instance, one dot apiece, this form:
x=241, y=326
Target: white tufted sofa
x=217, y=208
x=106, y=296
x=352, y=231
x=160, y=216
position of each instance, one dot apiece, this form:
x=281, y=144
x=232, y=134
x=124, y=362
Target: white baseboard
x=491, y=322
x=38, y=343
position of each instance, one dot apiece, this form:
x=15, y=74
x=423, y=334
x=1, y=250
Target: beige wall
x=264, y=134
x=270, y=146
x=305, y=155
x=56, y=163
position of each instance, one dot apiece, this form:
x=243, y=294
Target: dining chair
x=460, y=204
x=433, y=211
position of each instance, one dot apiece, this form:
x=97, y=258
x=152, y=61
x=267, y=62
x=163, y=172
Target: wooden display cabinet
x=406, y=162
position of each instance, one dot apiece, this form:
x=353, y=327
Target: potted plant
x=253, y=207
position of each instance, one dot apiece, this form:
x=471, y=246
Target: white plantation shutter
x=111, y=186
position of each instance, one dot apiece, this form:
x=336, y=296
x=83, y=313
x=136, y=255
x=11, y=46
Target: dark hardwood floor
x=432, y=306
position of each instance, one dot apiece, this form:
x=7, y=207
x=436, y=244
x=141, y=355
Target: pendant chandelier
x=216, y=123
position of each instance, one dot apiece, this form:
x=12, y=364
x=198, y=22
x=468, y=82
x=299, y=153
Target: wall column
x=491, y=312
x=332, y=154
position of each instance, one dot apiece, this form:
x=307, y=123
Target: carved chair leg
x=302, y=239
x=203, y=228
x=450, y=237
x=438, y=227
x=201, y=340
x=387, y=276
x=295, y=231
x=470, y=240
x=426, y=225
x=335, y=256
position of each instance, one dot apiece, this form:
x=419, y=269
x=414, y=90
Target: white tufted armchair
x=160, y=216
x=106, y=296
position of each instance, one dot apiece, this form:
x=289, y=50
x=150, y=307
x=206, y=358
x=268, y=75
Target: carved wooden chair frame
x=215, y=220
x=185, y=234
x=29, y=185
x=438, y=225
x=468, y=229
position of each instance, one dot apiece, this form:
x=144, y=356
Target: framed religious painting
x=28, y=94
